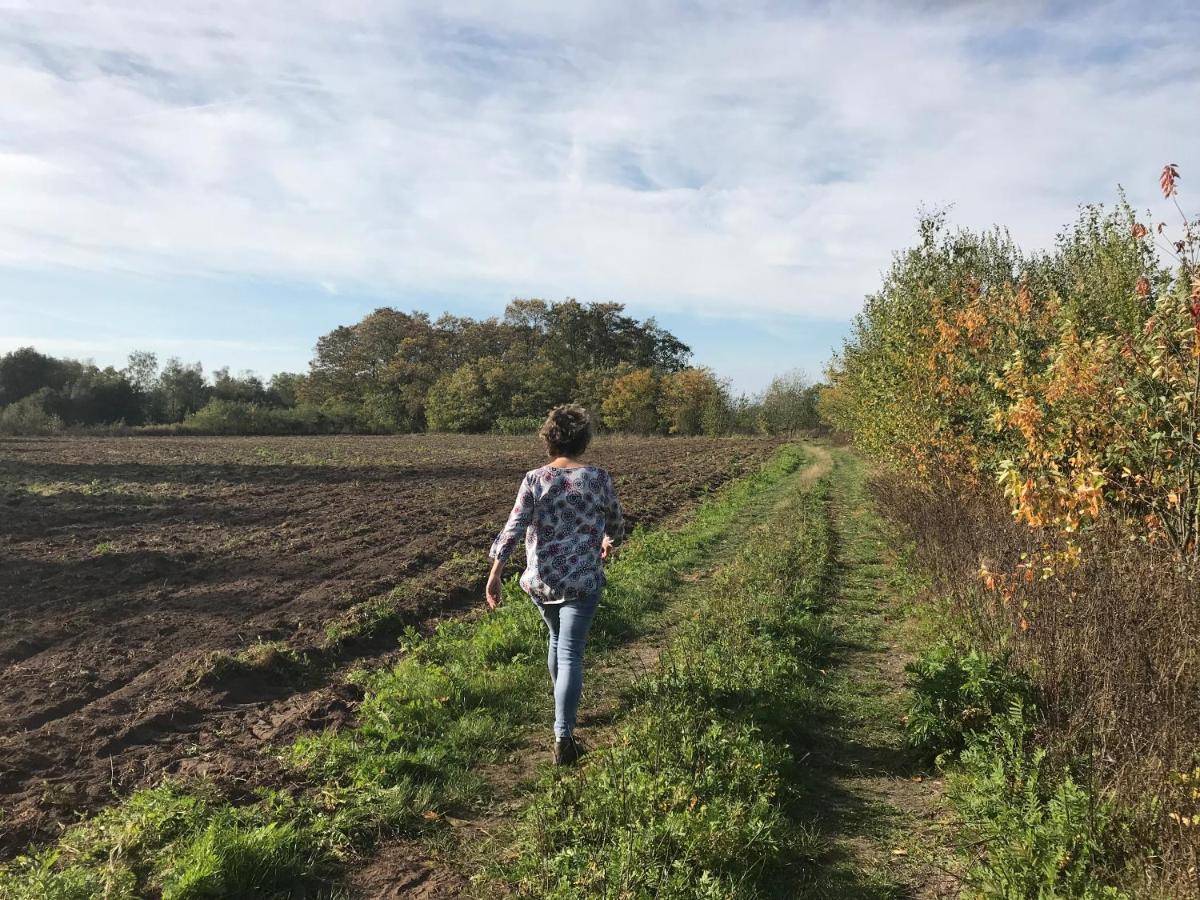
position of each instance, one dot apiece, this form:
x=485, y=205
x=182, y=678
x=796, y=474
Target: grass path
x=621, y=668
x=882, y=818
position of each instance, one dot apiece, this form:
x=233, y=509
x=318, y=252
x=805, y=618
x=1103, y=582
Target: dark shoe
x=566, y=751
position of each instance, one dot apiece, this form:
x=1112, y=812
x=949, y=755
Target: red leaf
x=1167, y=182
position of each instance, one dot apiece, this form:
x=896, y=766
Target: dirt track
x=124, y=562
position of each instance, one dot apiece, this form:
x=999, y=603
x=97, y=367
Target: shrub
x=789, y=405
x=1127, y=614
x=458, y=402
x=239, y=417
x=956, y=696
x=227, y=417
x=1041, y=833
x=1070, y=377
x=632, y=403
x=1038, y=415
x=517, y=425
x=29, y=417
x=687, y=397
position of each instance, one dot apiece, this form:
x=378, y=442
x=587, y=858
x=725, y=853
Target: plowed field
x=125, y=563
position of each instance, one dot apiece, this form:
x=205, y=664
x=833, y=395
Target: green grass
x=854, y=744
x=184, y=842
x=262, y=659
x=456, y=699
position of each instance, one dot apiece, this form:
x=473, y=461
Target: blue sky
x=225, y=181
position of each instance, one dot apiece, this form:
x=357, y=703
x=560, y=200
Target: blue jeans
x=568, y=624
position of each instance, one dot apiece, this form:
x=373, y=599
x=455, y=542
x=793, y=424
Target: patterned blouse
x=565, y=514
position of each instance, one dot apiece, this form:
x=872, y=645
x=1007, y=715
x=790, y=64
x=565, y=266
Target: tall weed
x=1033, y=831
x=955, y=696
x=1039, y=833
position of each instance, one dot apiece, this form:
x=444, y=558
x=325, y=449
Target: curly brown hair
x=567, y=430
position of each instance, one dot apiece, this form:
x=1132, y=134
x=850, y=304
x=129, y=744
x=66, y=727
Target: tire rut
x=881, y=815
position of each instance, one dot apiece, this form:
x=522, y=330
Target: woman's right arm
x=614, y=519
x=506, y=541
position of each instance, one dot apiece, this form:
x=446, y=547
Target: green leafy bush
x=459, y=401
x=1036, y=832
x=29, y=416
x=956, y=695
x=240, y=417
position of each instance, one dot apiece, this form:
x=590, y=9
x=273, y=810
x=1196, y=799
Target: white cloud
x=700, y=158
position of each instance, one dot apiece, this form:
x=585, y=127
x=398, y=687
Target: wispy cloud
x=706, y=157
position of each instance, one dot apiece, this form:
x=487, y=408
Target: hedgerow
x=1037, y=418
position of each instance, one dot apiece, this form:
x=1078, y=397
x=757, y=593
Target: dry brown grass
x=1114, y=647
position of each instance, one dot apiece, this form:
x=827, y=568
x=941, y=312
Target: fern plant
x=956, y=695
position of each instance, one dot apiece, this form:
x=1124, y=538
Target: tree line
x=397, y=372
x=42, y=394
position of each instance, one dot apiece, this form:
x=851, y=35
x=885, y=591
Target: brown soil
x=406, y=869
x=126, y=562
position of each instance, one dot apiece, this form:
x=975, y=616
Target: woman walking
x=571, y=520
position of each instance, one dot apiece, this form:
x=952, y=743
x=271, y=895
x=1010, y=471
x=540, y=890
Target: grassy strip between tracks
x=698, y=795
x=456, y=699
